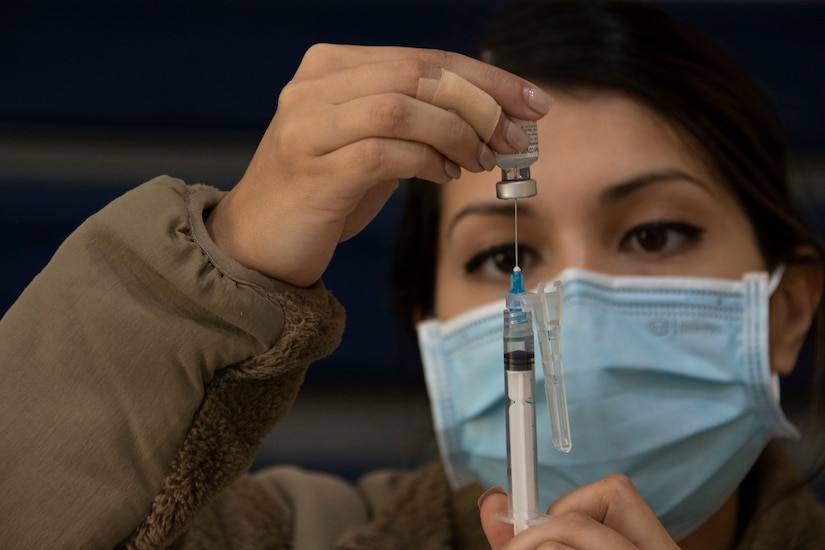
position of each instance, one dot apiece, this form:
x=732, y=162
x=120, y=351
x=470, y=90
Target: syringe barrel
x=519, y=343
x=519, y=362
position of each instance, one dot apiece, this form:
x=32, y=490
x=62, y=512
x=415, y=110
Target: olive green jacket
x=141, y=370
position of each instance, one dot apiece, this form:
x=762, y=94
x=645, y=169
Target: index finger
x=615, y=502
x=518, y=97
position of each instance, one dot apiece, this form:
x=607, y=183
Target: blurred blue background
x=97, y=97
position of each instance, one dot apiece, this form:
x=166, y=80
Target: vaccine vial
x=516, y=182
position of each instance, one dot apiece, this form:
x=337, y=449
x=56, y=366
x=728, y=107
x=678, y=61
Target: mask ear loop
x=776, y=278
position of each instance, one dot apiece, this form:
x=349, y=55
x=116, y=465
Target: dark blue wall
x=221, y=64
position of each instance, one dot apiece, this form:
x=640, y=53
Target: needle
x=515, y=216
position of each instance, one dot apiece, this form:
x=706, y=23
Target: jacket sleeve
x=140, y=370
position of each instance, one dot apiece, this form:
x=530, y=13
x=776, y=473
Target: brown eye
x=503, y=261
x=660, y=236
x=653, y=238
x=498, y=261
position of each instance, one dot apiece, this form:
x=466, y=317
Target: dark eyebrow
x=499, y=208
x=625, y=188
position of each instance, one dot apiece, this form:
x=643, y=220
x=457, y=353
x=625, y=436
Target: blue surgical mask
x=668, y=381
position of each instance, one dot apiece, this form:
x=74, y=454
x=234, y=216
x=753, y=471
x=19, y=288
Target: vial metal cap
x=518, y=189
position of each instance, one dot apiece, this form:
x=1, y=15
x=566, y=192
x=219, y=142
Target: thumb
x=492, y=504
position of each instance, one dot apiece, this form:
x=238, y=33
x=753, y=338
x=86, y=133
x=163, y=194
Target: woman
x=147, y=361
x=659, y=158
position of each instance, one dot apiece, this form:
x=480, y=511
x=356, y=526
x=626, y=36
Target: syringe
x=519, y=361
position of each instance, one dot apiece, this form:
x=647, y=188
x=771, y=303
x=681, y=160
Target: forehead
x=587, y=142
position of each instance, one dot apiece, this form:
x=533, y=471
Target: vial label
x=525, y=159
x=531, y=128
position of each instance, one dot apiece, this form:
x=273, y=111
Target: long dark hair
x=681, y=74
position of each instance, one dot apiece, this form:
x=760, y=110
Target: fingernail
x=452, y=169
x=491, y=491
x=486, y=157
x=538, y=100
x=515, y=136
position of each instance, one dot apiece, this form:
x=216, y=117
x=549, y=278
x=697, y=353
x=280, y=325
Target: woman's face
x=618, y=192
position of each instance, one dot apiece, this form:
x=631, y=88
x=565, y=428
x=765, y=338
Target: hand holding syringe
x=523, y=311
